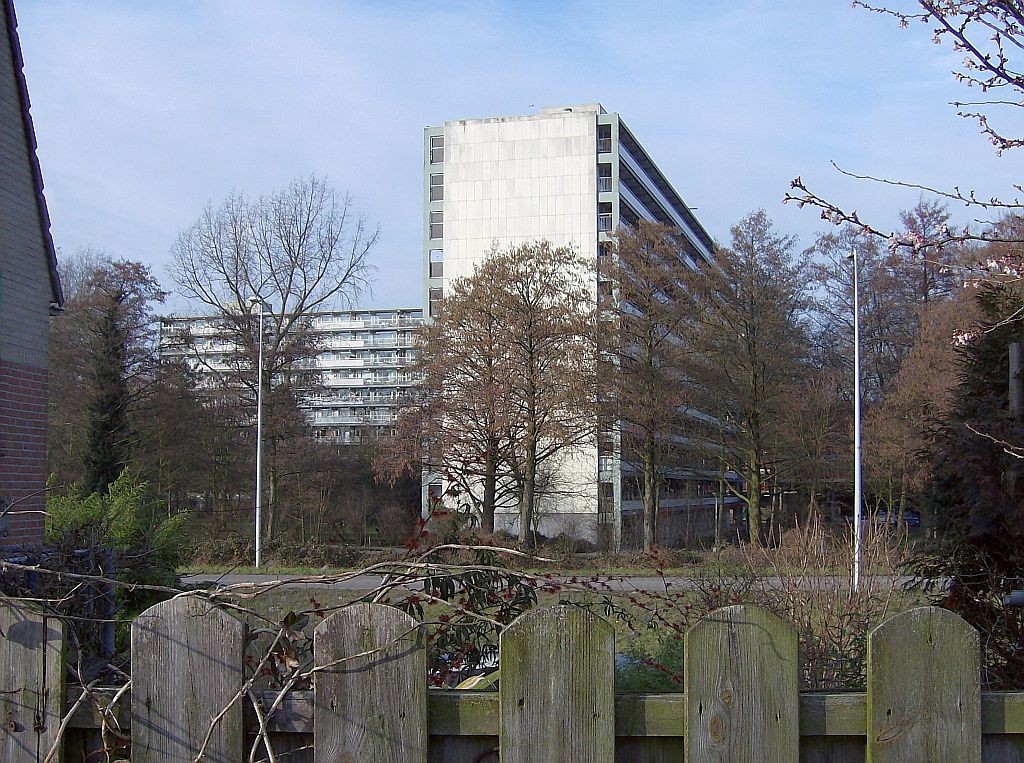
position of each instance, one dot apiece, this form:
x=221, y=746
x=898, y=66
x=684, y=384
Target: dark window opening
x=436, y=149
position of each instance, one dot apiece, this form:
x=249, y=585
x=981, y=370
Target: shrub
x=116, y=535
x=832, y=620
x=640, y=668
x=223, y=548
x=396, y=523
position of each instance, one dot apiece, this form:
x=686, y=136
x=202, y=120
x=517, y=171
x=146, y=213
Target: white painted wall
x=511, y=180
x=518, y=179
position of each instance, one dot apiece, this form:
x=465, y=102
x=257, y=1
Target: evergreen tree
x=116, y=325
x=106, y=451
x=976, y=491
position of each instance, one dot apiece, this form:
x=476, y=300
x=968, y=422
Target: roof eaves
x=30, y=138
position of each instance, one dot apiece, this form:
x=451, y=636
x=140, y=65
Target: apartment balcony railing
x=321, y=421
x=195, y=329
x=326, y=362
x=351, y=419
x=344, y=381
x=604, y=223
x=342, y=344
x=604, y=145
x=358, y=324
x=351, y=344
x=326, y=400
x=604, y=184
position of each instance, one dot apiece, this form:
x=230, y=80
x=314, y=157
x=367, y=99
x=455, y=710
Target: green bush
x=118, y=535
x=657, y=670
x=146, y=542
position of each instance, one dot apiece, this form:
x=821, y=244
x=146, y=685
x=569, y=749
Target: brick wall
x=26, y=291
x=22, y=452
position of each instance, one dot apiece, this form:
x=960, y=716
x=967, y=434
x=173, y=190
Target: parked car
x=883, y=517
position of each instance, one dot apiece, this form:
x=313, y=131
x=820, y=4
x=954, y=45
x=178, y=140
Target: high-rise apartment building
x=571, y=175
x=362, y=363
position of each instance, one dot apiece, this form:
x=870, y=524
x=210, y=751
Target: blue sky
x=147, y=111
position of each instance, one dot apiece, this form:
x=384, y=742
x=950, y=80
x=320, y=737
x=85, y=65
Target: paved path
x=618, y=582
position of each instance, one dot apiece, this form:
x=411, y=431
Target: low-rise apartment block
x=362, y=363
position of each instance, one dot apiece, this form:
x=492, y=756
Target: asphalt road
x=618, y=583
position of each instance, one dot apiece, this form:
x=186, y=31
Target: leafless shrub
x=807, y=582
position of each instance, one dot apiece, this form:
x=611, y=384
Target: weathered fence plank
x=463, y=749
x=742, y=691
x=31, y=684
x=1002, y=748
x=1002, y=727
x=648, y=750
x=557, y=689
x=187, y=659
x=924, y=694
x=372, y=707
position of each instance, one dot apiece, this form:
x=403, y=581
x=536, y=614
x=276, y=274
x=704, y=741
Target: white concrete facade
x=569, y=174
x=518, y=180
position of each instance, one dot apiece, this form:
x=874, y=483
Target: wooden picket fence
x=555, y=704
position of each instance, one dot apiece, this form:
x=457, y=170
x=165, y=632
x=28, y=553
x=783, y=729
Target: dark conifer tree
x=976, y=493
x=106, y=448
x=116, y=325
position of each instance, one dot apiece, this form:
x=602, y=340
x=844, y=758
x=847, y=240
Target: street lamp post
x=857, y=530
x=256, y=301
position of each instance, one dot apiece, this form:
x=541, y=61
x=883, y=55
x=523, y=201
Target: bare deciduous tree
x=548, y=313
x=642, y=365
x=300, y=249
x=986, y=37
x=748, y=350
x=508, y=384
x=895, y=286
x=458, y=427
x=901, y=427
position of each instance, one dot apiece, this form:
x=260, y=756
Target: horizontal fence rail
x=555, y=701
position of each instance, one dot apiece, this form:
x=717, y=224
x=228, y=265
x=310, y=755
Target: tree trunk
x=902, y=503
x=833, y=508
x=755, y=520
x=813, y=508
x=270, y=510
x=527, y=536
x=270, y=459
x=650, y=500
x=321, y=509
x=719, y=510
x=490, y=488
x=774, y=516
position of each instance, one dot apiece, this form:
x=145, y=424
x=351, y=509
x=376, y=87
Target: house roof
x=30, y=140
